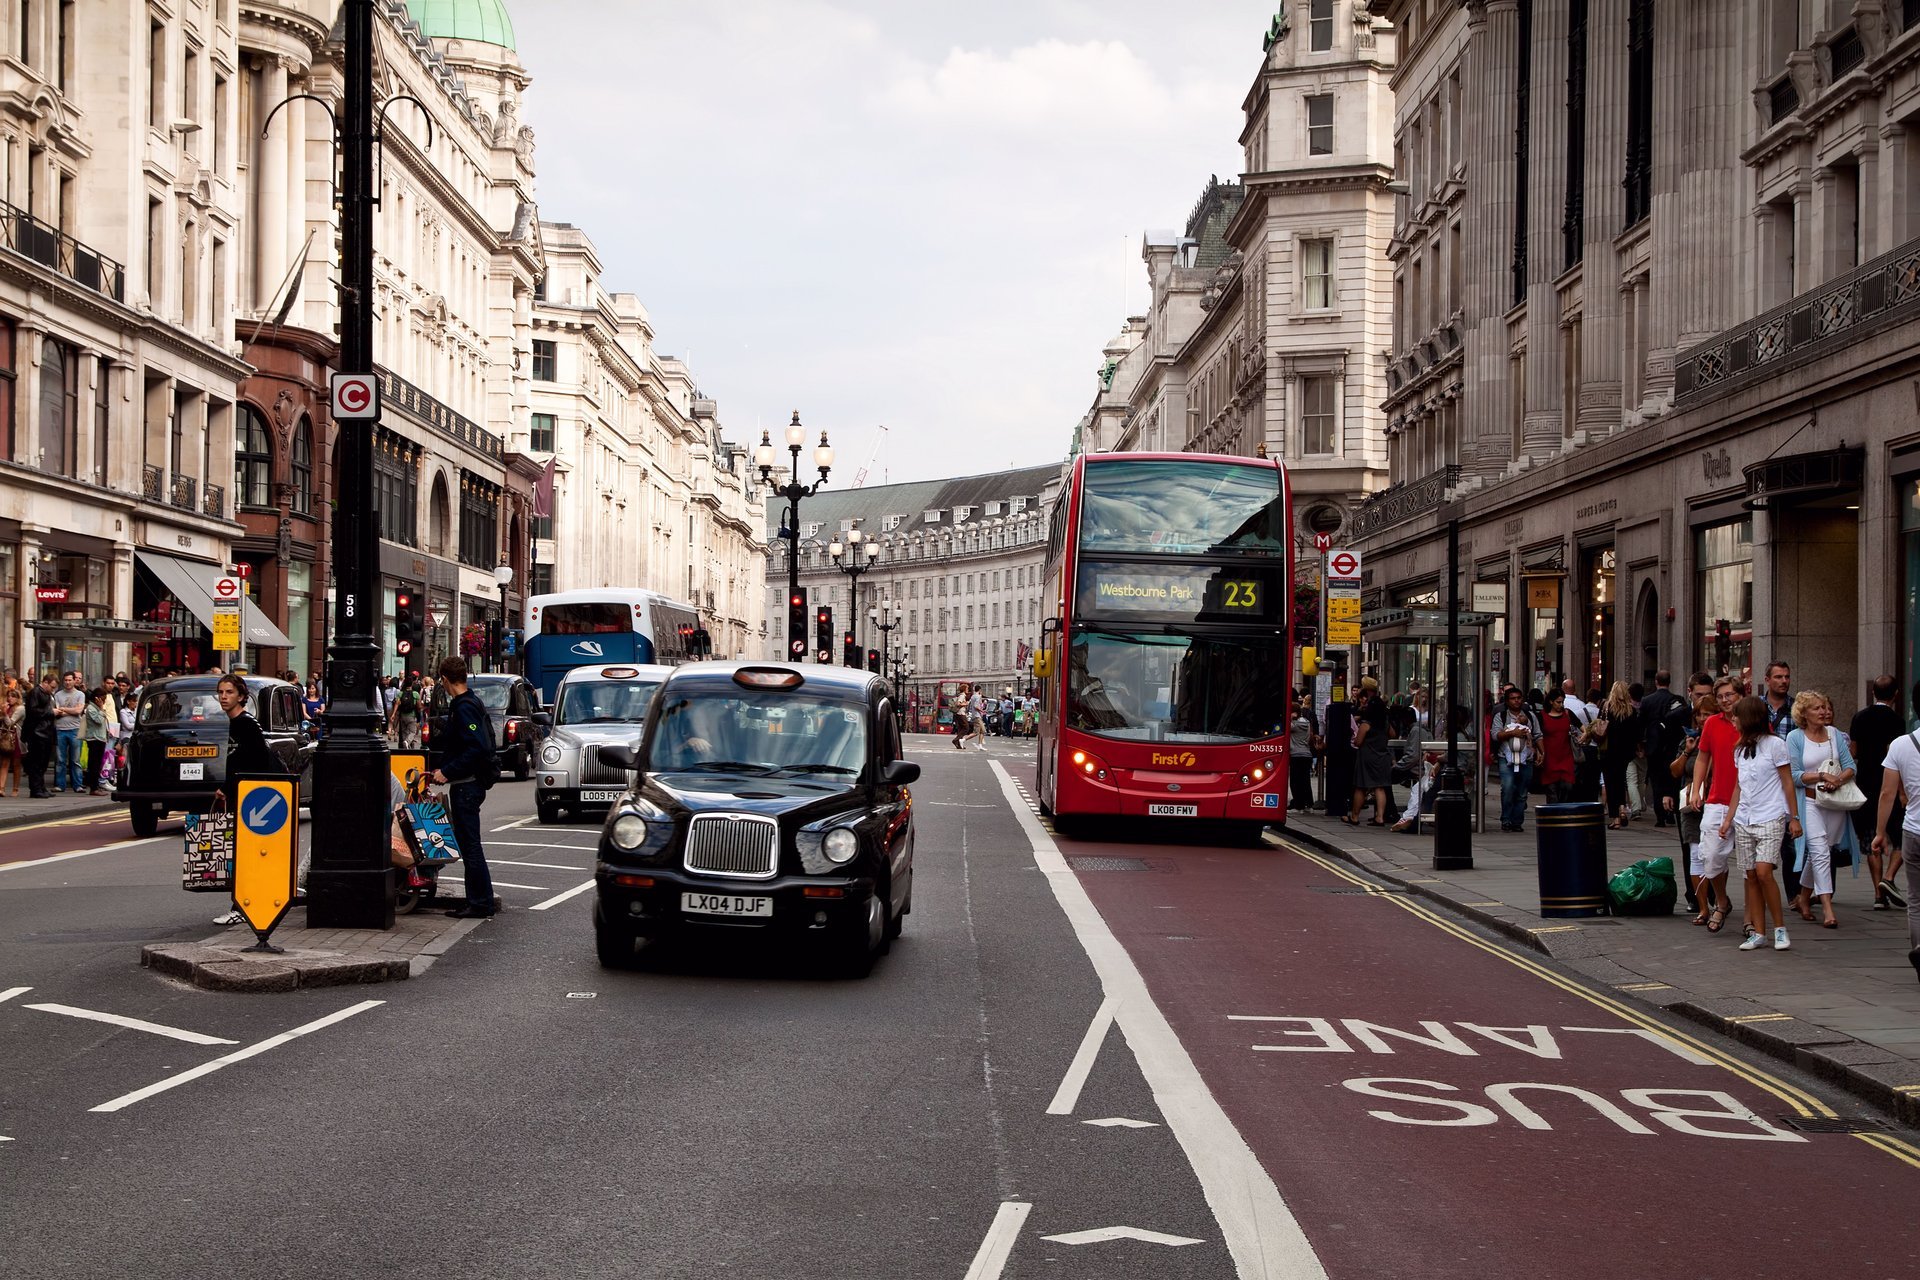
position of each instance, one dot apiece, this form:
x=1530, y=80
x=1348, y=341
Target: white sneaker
x=1755, y=941
x=1780, y=942
x=232, y=917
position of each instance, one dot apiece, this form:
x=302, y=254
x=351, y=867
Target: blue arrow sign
x=265, y=816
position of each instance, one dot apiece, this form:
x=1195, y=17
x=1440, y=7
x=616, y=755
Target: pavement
x=21, y=810
x=1842, y=1003
x=224, y=961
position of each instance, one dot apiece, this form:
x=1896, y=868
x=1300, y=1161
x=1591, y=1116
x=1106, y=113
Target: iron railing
x=49, y=246
x=1783, y=99
x=1845, y=52
x=185, y=489
x=152, y=482
x=216, y=503
x=1403, y=501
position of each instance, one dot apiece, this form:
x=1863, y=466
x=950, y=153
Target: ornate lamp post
x=887, y=616
x=764, y=458
x=504, y=576
x=854, y=558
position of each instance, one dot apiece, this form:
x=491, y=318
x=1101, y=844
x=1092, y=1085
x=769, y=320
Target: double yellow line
x=1804, y=1104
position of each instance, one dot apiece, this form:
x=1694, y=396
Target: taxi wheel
x=145, y=818
x=549, y=812
x=867, y=941
x=614, y=947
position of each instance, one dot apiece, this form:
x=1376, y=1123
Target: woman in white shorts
x=1714, y=761
x=1762, y=798
x=1809, y=748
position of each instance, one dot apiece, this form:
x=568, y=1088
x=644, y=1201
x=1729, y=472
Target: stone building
x=961, y=559
x=1654, y=345
x=1269, y=309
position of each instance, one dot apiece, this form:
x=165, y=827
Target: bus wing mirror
x=1043, y=665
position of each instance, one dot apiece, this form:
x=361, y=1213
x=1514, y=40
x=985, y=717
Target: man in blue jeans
x=1516, y=737
x=467, y=762
x=69, y=711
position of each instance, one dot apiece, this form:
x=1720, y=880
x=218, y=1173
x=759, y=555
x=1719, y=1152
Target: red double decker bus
x=1166, y=667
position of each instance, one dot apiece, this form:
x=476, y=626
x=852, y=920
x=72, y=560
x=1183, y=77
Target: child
x=1762, y=799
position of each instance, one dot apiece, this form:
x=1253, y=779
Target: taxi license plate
x=726, y=904
x=193, y=753
x=1173, y=811
x=195, y=772
x=599, y=797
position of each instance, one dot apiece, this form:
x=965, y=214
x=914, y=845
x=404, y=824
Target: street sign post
x=226, y=627
x=264, y=861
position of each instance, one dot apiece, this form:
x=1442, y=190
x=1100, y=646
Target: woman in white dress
x=1809, y=747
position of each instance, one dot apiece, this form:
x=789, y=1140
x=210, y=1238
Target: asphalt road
x=1125, y=1055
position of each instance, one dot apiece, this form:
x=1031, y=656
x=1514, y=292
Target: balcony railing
x=1909, y=14
x=1783, y=99
x=1845, y=52
x=184, y=489
x=49, y=246
x=1874, y=296
x=151, y=482
x=216, y=503
x=1403, y=501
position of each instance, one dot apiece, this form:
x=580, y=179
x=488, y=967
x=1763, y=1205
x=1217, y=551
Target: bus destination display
x=1219, y=595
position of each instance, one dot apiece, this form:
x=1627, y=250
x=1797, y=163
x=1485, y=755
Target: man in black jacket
x=467, y=763
x=1873, y=730
x=36, y=734
x=1665, y=714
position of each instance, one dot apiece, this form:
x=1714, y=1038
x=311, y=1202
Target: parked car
x=519, y=725
x=593, y=705
x=175, y=759
x=767, y=797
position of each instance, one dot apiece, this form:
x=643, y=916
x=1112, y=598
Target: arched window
x=302, y=474
x=439, y=518
x=252, y=459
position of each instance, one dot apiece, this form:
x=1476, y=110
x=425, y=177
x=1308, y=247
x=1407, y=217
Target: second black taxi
x=769, y=800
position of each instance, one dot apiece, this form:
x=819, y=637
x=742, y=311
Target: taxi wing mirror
x=619, y=755
x=543, y=720
x=900, y=772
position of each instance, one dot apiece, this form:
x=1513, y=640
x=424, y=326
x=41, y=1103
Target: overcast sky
x=921, y=215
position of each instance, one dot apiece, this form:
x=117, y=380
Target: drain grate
x=1835, y=1124
x=1092, y=863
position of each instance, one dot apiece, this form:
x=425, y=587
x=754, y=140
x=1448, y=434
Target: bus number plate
x=1173, y=811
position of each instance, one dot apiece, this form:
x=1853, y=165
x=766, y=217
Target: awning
x=192, y=582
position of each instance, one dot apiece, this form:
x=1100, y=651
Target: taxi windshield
x=768, y=731
x=605, y=702
x=182, y=704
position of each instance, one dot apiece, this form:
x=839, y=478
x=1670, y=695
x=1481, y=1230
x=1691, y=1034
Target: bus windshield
x=1169, y=688
x=1158, y=507
x=586, y=619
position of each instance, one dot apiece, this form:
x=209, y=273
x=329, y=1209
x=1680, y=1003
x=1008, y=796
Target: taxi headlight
x=550, y=754
x=840, y=845
x=629, y=831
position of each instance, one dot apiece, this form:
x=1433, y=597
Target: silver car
x=593, y=705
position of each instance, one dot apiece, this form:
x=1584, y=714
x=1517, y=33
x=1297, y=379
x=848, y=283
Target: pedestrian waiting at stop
x=468, y=766
x=13, y=719
x=1516, y=744
x=1763, y=802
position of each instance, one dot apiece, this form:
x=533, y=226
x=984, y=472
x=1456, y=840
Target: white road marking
x=508, y=826
x=508, y=884
x=991, y=1260
x=1121, y=1122
x=11, y=992
x=1671, y=1045
x=544, y=866
x=1099, y=1235
x=208, y=1068
x=4, y=1138
x=131, y=1024
x=1261, y=1233
x=1068, y=1094
x=559, y=898
x=81, y=853
x=543, y=844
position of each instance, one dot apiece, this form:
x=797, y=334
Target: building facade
x=1665, y=383
x=961, y=559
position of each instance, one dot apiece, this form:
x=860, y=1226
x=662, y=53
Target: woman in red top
x=1556, y=727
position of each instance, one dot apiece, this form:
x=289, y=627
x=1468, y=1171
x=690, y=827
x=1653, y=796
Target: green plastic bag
x=1644, y=889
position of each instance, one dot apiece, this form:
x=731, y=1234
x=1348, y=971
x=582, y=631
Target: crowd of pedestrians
x=977, y=713
x=59, y=722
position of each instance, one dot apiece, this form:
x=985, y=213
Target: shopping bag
x=1644, y=889
x=429, y=832
x=206, y=862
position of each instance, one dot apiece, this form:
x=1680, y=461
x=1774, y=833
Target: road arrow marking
x=1068, y=1094
x=132, y=1024
x=1099, y=1235
x=11, y=992
x=1121, y=1122
x=991, y=1259
x=126, y=1100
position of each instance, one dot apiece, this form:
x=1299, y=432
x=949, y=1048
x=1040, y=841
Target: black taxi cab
x=175, y=759
x=768, y=800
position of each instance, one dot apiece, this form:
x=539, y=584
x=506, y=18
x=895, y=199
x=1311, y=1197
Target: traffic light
x=797, y=625
x=873, y=660
x=407, y=633
x=850, y=650
x=823, y=632
x=702, y=643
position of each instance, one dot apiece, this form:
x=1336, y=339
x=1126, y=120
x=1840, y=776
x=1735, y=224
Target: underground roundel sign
x=355, y=395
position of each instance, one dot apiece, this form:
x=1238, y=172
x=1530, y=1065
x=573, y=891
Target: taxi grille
x=733, y=845
x=593, y=772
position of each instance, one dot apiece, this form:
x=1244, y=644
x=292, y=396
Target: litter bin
x=1572, y=853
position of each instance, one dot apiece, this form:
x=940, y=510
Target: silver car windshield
x=765, y=732
x=605, y=702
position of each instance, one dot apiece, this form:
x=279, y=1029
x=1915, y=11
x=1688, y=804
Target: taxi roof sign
x=768, y=678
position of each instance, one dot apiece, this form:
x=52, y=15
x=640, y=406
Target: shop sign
x=50, y=595
x=1490, y=597
x=1543, y=593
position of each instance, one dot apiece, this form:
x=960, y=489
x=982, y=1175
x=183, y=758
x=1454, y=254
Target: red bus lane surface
x=58, y=836
x=1428, y=1107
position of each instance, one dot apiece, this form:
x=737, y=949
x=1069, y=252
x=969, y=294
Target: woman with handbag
x=1823, y=770
x=11, y=737
x=1701, y=897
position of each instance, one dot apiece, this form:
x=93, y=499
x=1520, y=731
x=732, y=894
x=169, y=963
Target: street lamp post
x=764, y=457
x=504, y=576
x=851, y=559
x=887, y=616
x=1452, y=820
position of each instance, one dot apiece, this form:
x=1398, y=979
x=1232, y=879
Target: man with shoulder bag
x=469, y=767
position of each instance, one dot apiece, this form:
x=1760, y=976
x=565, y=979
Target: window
x=541, y=438
x=220, y=123
x=1320, y=25
x=102, y=422
x=396, y=488
x=1723, y=558
x=1316, y=415
x=1522, y=142
x=540, y=287
x=59, y=407
x=8, y=378
x=157, y=75
x=301, y=473
x=1573, y=217
x=26, y=31
x=63, y=53
x=479, y=521
x=252, y=460
x=1316, y=273
x=1320, y=125
x=545, y=357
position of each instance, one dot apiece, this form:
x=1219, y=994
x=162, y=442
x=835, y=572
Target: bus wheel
x=1254, y=834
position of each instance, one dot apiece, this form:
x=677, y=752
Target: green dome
x=482, y=20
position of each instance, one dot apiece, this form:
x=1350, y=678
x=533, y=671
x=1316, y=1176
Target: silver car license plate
x=599, y=797
x=726, y=904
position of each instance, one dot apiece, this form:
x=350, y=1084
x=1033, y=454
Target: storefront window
x=300, y=617
x=1543, y=633
x=1599, y=587
x=10, y=603
x=1723, y=571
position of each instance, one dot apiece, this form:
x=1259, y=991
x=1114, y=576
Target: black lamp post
x=887, y=616
x=503, y=574
x=1452, y=820
x=764, y=457
x=853, y=558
